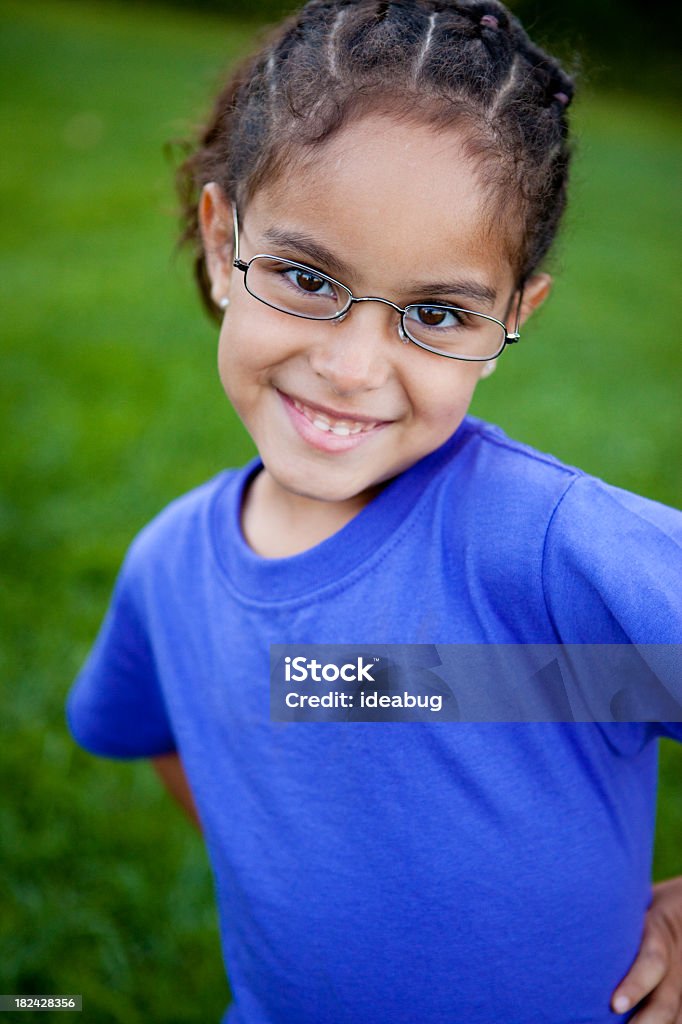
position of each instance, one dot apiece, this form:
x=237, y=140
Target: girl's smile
x=338, y=408
x=328, y=429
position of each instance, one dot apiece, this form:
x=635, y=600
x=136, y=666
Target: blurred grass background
x=112, y=407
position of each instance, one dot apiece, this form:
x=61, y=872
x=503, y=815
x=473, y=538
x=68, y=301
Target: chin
x=331, y=486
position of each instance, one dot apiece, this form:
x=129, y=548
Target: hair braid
x=465, y=64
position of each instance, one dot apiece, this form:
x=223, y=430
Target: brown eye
x=308, y=282
x=431, y=317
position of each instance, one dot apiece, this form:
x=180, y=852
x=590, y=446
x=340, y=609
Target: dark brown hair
x=449, y=63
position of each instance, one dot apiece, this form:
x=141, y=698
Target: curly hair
x=465, y=64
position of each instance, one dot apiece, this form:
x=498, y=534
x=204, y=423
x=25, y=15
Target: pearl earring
x=488, y=368
x=224, y=302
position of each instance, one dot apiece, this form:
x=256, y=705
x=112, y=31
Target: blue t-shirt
x=392, y=872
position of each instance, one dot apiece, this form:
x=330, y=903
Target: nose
x=356, y=353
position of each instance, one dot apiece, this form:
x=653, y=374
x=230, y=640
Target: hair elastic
x=489, y=21
x=563, y=99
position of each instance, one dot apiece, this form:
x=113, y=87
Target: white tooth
x=341, y=431
x=356, y=430
x=313, y=415
x=321, y=425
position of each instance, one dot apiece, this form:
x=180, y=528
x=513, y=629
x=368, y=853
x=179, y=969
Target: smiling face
x=337, y=408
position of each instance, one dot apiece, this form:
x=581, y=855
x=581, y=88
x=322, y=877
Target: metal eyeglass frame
x=510, y=338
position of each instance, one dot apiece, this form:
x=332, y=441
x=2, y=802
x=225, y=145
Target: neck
x=277, y=523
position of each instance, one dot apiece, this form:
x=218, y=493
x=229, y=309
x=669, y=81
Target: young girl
x=372, y=202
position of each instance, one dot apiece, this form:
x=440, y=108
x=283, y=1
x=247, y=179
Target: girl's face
x=398, y=208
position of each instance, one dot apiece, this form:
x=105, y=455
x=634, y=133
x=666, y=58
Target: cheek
x=239, y=346
x=250, y=348
x=442, y=394
x=224, y=356
x=233, y=365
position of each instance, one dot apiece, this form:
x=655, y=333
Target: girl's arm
x=169, y=767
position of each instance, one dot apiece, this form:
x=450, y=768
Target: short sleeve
x=612, y=567
x=115, y=707
x=612, y=572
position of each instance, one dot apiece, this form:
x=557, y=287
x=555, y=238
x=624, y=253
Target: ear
x=535, y=291
x=217, y=233
x=487, y=368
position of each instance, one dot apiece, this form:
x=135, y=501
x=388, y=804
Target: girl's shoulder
x=528, y=476
x=604, y=563
x=182, y=531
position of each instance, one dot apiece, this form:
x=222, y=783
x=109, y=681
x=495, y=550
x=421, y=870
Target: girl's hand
x=657, y=970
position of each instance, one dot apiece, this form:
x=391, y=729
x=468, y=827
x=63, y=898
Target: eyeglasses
x=303, y=291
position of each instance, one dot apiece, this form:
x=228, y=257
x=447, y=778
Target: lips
x=330, y=421
x=330, y=431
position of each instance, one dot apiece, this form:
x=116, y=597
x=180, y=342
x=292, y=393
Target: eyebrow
x=312, y=249
x=322, y=256
x=471, y=289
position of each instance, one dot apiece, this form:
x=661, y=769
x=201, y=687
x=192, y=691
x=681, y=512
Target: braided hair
x=465, y=64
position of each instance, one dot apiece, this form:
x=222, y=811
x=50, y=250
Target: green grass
x=113, y=407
